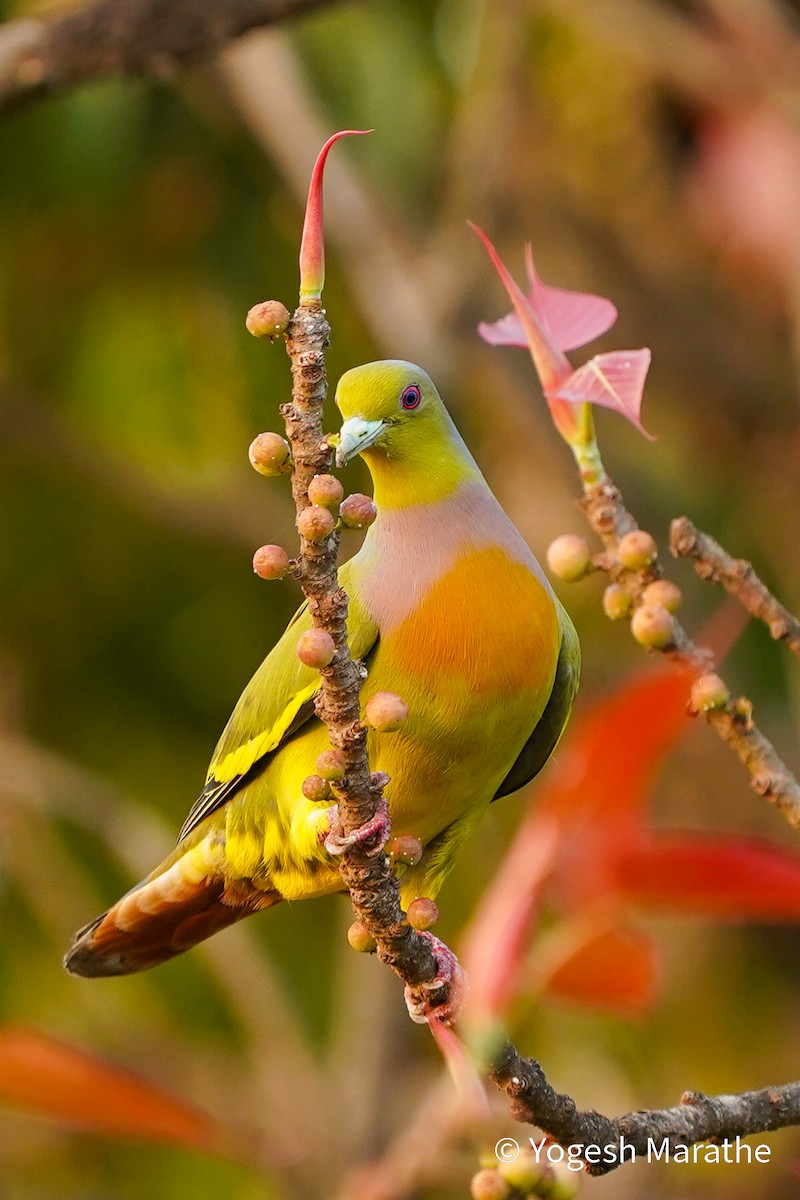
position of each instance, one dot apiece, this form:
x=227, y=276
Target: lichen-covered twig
x=738, y=578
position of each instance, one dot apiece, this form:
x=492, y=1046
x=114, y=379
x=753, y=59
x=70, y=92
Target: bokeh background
x=651, y=152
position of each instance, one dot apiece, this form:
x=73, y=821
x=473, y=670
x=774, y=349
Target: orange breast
x=489, y=623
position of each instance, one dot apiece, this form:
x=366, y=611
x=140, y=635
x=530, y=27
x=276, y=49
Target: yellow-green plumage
x=449, y=609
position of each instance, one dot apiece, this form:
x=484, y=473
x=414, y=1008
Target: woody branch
x=41, y=56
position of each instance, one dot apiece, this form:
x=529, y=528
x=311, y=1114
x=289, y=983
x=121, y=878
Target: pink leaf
x=613, y=381
x=722, y=874
x=571, y=318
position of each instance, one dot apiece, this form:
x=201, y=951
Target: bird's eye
x=411, y=397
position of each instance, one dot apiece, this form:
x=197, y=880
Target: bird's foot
x=374, y=833
x=450, y=975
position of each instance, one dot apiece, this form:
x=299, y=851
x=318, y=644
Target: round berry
x=524, y=1173
x=386, y=712
x=709, y=691
x=357, y=511
x=315, y=523
x=663, y=592
x=270, y=562
x=405, y=848
x=268, y=319
x=636, y=550
x=653, y=626
x=316, y=789
x=488, y=1184
x=616, y=602
x=316, y=648
x=269, y=453
x=360, y=938
x=331, y=765
x=325, y=490
x=422, y=913
x=569, y=557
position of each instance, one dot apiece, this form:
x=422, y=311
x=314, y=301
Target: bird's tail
x=183, y=902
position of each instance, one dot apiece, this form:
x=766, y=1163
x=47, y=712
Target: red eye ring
x=411, y=397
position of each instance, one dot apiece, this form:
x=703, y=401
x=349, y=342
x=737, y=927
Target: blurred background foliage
x=651, y=152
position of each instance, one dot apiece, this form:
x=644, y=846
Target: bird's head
x=390, y=409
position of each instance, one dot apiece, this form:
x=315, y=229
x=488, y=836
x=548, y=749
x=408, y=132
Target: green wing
x=545, y=736
x=277, y=701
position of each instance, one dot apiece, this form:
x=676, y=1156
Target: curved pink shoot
x=312, y=245
x=614, y=381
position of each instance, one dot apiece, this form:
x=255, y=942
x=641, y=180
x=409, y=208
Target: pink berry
x=636, y=550
x=709, y=691
x=663, y=592
x=360, y=938
x=422, y=913
x=268, y=319
x=269, y=453
x=386, y=712
x=405, y=849
x=316, y=648
x=316, y=788
x=616, y=602
x=357, y=511
x=569, y=557
x=488, y=1184
x=652, y=626
x=325, y=490
x=315, y=523
x=270, y=562
x=331, y=765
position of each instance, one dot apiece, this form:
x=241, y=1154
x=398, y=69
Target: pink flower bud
x=360, y=938
x=652, y=626
x=316, y=648
x=569, y=557
x=270, y=562
x=405, y=849
x=268, y=319
x=269, y=454
x=325, y=490
x=331, y=765
x=386, y=712
x=357, y=511
x=422, y=913
x=316, y=788
x=636, y=550
x=315, y=523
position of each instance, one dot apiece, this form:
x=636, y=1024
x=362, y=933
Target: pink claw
x=449, y=974
x=376, y=830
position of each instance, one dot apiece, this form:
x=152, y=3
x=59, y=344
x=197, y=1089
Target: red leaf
x=38, y=1072
x=724, y=875
x=615, y=970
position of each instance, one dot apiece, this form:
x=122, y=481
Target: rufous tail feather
x=178, y=906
